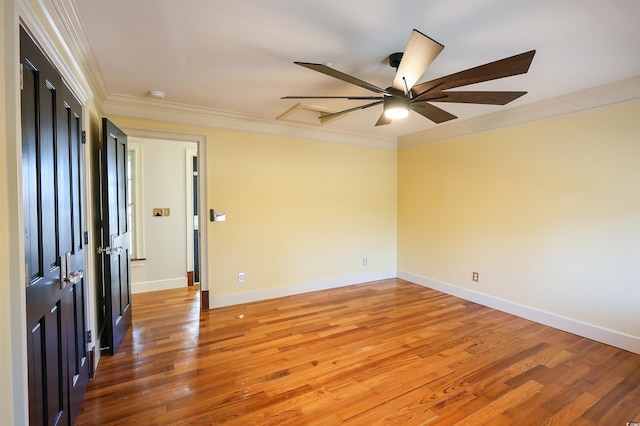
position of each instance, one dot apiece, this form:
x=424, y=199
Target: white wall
x=164, y=186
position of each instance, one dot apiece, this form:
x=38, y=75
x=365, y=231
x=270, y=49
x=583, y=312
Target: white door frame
x=201, y=140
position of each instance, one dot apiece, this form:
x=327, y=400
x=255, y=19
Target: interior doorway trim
x=201, y=140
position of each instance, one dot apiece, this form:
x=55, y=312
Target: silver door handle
x=67, y=277
x=75, y=277
x=109, y=251
x=105, y=250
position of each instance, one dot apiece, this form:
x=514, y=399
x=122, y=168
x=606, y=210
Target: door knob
x=110, y=250
x=75, y=277
x=105, y=250
x=67, y=277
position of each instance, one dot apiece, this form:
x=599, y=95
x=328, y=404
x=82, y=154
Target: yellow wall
x=13, y=372
x=547, y=213
x=6, y=377
x=297, y=211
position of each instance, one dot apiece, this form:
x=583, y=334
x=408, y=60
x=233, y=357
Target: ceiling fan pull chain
x=406, y=88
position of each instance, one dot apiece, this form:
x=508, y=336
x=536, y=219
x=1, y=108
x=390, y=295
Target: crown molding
x=158, y=110
x=56, y=26
x=62, y=37
x=623, y=91
x=41, y=20
x=76, y=35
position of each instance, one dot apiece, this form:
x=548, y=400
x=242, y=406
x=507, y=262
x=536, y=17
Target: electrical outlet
x=364, y=261
x=475, y=276
x=241, y=277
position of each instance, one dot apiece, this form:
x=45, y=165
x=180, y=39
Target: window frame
x=137, y=230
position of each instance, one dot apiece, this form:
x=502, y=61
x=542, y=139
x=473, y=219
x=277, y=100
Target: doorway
x=175, y=207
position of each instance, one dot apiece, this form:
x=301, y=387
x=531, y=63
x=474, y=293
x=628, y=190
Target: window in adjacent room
x=135, y=197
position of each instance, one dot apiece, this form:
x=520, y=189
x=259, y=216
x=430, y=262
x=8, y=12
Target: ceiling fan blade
x=383, y=120
x=418, y=55
x=432, y=112
x=341, y=76
x=513, y=65
x=351, y=98
x=486, y=98
x=326, y=117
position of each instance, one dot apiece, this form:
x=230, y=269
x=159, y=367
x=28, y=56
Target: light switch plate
x=167, y=211
x=157, y=212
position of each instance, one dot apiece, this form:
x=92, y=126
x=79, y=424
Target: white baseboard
x=590, y=331
x=216, y=301
x=146, y=286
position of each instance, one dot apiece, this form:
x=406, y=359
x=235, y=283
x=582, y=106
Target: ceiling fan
x=404, y=94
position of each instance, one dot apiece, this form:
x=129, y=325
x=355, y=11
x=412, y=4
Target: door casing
x=203, y=204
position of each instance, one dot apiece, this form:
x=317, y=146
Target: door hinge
x=21, y=76
x=26, y=274
x=84, y=136
x=88, y=336
x=86, y=238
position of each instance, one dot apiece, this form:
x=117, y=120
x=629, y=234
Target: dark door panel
x=196, y=232
x=52, y=166
x=116, y=254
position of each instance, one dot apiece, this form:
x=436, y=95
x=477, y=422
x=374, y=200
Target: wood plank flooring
x=387, y=352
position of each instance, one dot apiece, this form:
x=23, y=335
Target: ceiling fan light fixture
x=395, y=108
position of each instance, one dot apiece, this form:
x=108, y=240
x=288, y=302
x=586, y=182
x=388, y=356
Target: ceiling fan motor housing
x=394, y=59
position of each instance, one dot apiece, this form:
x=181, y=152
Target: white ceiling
x=236, y=57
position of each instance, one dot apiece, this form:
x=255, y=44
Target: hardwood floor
x=387, y=352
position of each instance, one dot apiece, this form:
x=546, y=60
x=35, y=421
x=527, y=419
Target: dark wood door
x=58, y=365
x=115, y=248
x=196, y=232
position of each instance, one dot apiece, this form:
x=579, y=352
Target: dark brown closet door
x=54, y=241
